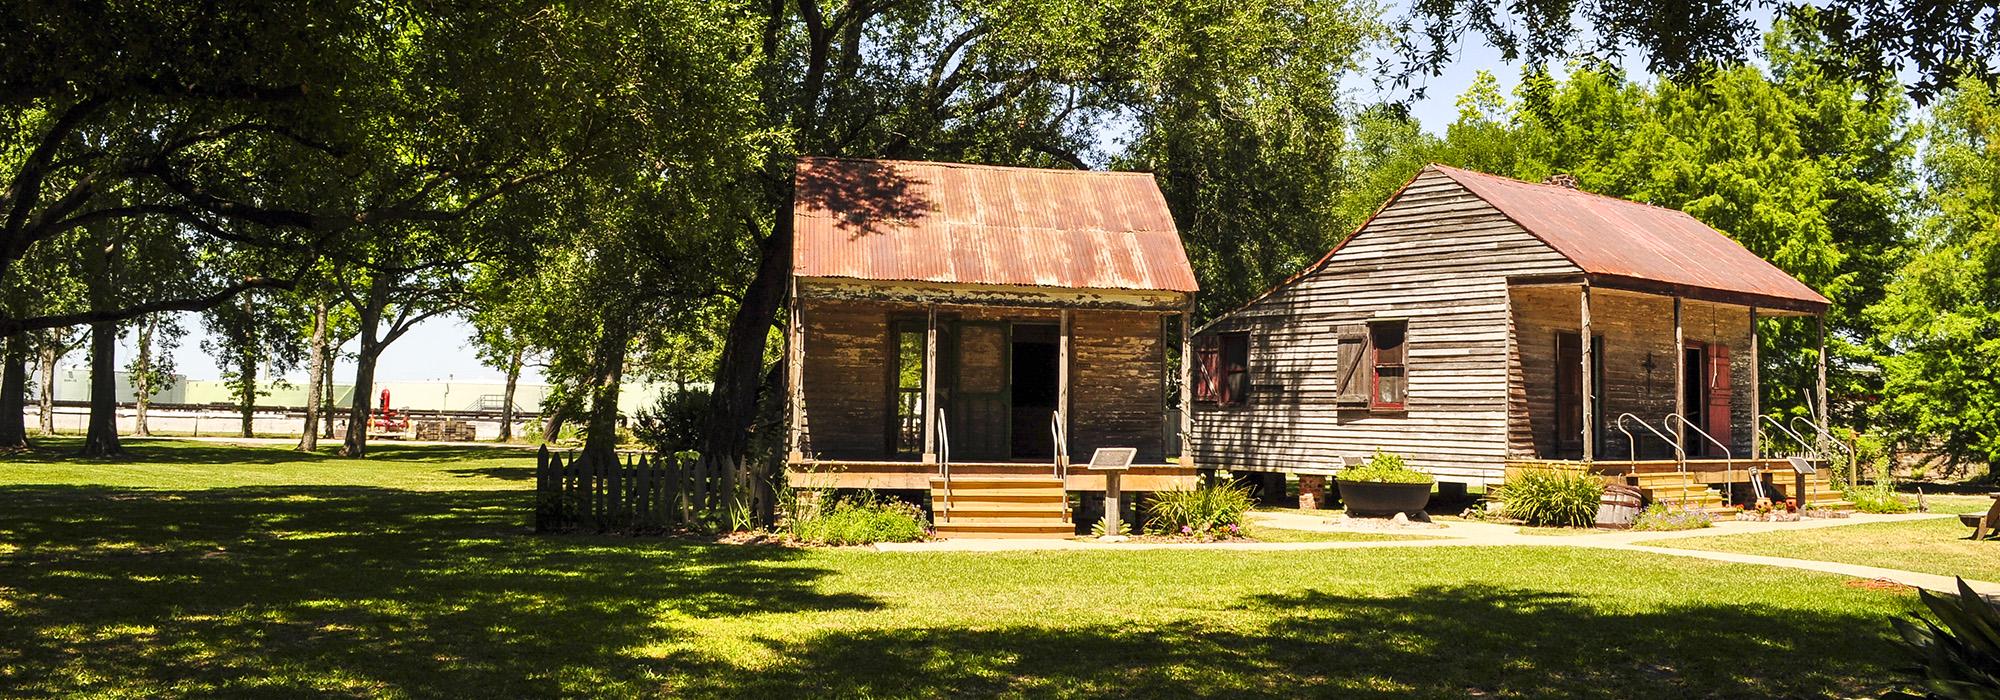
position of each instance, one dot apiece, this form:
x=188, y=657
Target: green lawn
x=1936, y=546
x=415, y=575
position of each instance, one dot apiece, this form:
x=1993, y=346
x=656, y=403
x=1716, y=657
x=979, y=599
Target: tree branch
x=10, y=326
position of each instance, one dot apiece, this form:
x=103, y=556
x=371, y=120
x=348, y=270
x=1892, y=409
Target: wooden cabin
x=1452, y=329
x=958, y=332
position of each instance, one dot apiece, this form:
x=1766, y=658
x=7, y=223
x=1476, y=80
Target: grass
x=414, y=575
x=1934, y=546
x=1266, y=533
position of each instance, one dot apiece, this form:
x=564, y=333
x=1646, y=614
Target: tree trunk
x=47, y=406
x=600, y=440
x=14, y=394
x=552, y=423
x=101, y=440
x=507, y=397
x=326, y=387
x=356, y=444
x=246, y=376
x=309, y=435
x=738, y=376
x=142, y=375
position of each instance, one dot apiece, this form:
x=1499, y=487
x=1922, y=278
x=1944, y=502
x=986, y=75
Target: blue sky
x=440, y=348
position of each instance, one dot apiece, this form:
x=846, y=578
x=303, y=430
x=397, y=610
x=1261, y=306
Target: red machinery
x=387, y=422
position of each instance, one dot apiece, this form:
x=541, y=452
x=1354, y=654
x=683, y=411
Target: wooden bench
x=1983, y=525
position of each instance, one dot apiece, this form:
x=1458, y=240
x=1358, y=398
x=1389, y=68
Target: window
x=1388, y=343
x=1222, y=369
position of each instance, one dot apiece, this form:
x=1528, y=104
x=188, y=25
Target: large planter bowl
x=1381, y=499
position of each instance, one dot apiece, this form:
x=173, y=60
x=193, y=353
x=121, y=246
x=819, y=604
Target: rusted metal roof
x=981, y=224
x=1639, y=246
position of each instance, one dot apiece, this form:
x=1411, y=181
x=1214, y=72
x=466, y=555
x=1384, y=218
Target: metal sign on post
x=1113, y=461
x=1113, y=457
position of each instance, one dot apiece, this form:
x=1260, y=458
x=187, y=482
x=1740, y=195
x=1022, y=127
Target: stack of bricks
x=1312, y=492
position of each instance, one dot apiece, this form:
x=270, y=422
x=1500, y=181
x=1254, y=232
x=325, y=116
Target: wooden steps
x=983, y=506
x=1678, y=489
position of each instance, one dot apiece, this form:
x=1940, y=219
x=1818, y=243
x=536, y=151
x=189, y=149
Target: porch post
x=1187, y=383
x=1589, y=410
x=1062, y=389
x=1680, y=383
x=930, y=385
x=1756, y=392
x=794, y=377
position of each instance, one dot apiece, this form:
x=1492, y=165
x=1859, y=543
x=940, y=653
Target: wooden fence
x=643, y=493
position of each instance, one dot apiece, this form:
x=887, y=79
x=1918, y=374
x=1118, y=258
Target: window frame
x=1375, y=366
x=1214, y=387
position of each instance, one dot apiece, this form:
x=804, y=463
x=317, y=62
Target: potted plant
x=1383, y=486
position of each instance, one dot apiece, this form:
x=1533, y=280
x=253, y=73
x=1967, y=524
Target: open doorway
x=1695, y=379
x=1036, y=371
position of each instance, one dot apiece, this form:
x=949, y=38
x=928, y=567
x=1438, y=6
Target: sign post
x=1113, y=461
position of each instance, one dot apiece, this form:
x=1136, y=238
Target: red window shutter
x=1718, y=393
x=1208, y=369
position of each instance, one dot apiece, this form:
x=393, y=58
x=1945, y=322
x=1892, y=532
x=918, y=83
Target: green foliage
x=1553, y=497
x=1384, y=467
x=1210, y=510
x=1879, y=497
x=1098, y=529
x=1940, y=318
x=1661, y=517
x=852, y=520
x=674, y=422
x=1958, y=656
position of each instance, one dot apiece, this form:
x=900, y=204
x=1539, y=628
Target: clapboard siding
x=1436, y=256
x=1636, y=330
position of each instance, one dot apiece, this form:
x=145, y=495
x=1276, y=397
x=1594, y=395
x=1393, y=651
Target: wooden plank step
x=966, y=529
x=1011, y=482
x=1010, y=507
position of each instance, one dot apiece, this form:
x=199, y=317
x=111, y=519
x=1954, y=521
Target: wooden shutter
x=1349, y=359
x=1207, y=369
x=1718, y=393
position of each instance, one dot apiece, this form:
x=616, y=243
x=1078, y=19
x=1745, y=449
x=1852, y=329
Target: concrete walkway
x=1476, y=534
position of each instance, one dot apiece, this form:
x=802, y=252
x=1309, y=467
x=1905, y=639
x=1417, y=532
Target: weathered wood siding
x=846, y=395
x=1117, y=375
x=1636, y=330
x=1436, y=256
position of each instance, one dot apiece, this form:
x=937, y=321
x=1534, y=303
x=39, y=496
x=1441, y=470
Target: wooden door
x=978, y=413
x=1568, y=438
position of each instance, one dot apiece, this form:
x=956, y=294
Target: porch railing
x=1827, y=439
x=1059, y=433
x=944, y=463
x=1680, y=455
x=1728, y=459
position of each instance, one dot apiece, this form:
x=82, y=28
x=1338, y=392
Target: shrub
x=1208, y=511
x=1384, y=467
x=674, y=422
x=1661, y=517
x=1878, y=498
x=862, y=519
x=1959, y=655
x=1553, y=497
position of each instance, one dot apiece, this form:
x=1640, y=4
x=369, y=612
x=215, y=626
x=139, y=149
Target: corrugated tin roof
x=1627, y=243
x=981, y=224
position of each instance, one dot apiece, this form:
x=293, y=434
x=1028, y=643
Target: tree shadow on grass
x=51, y=450
x=526, y=473
x=1457, y=641
x=281, y=591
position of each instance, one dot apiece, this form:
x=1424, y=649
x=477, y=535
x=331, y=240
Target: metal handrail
x=1059, y=433
x=1680, y=455
x=944, y=461
x=1825, y=436
x=1060, y=438
x=1796, y=438
x=1728, y=459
